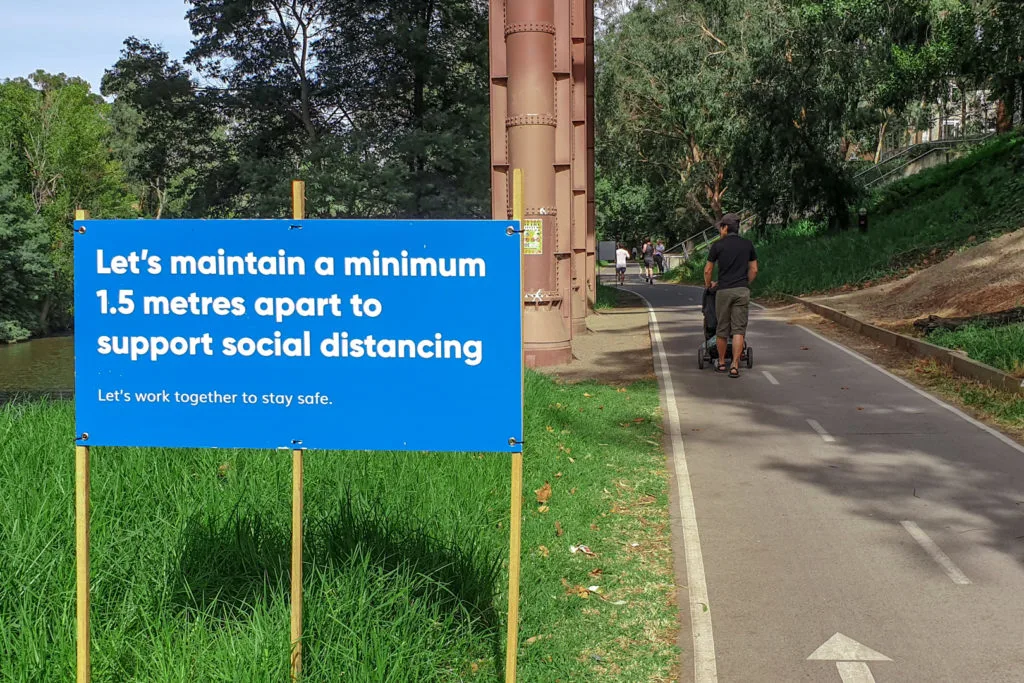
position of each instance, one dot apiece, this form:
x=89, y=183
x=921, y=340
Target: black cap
x=730, y=221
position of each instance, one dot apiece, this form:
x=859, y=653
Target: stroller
x=708, y=351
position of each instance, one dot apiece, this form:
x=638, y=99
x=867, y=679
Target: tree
x=23, y=256
x=62, y=133
x=381, y=107
x=165, y=129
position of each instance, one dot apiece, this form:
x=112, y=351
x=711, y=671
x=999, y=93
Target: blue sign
x=320, y=334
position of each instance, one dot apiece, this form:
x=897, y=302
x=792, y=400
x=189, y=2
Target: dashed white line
x=825, y=436
x=923, y=540
x=705, y=665
x=770, y=377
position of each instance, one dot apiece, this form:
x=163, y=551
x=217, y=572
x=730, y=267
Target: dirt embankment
x=981, y=279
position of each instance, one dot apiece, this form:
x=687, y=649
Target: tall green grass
x=941, y=209
x=405, y=557
x=1001, y=347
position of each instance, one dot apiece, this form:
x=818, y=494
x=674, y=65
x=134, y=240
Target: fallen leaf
x=543, y=551
x=647, y=500
x=543, y=493
x=558, y=475
x=640, y=420
x=594, y=527
x=558, y=528
x=621, y=391
x=578, y=591
x=572, y=491
x=596, y=573
x=805, y=348
x=600, y=407
x=572, y=460
x=533, y=639
x=543, y=509
x=587, y=396
x=550, y=428
x=859, y=408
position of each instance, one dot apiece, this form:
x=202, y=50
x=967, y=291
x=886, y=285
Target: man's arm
x=751, y=272
x=709, y=268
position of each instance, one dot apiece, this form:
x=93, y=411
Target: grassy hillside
x=912, y=222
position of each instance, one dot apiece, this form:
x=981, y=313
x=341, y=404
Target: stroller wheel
x=700, y=358
x=750, y=357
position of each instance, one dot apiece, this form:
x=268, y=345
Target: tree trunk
x=44, y=314
x=1007, y=317
x=881, y=141
x=1004, y=117
x=942, y=118
x=963, y=111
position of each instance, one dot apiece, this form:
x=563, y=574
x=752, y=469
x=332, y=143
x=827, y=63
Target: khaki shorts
x=732, y=307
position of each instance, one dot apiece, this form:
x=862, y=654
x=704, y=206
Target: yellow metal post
x=82, y=547
x=298, y=213
x=515, y=526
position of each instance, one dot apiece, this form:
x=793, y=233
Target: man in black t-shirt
x=737, y=268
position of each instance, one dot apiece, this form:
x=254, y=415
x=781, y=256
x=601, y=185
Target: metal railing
x=909, y=155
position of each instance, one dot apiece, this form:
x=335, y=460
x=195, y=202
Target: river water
x=38, y=366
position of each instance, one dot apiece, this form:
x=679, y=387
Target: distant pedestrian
x=648, y=255
x=621, y=255
x=634, y=253
x=659, y=257
x=737, y=268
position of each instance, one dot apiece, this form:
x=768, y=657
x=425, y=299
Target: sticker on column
x=533, y=236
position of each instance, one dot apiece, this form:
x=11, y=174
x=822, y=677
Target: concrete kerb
x=966, y=367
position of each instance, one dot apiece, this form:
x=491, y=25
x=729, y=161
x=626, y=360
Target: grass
x=1003, y=408
x=607, y=297
x=945, y=208
x=1001, y=347
x=405, y=558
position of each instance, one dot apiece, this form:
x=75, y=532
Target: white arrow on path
x=850, y=657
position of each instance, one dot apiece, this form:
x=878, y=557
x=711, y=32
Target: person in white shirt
x=621, y=255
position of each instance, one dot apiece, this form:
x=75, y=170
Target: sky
x=84, y=37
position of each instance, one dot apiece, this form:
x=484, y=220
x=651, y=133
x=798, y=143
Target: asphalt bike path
x=839, y=525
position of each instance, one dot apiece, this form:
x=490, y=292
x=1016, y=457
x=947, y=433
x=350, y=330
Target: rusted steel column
x=579, y=167
x=501, y=207
x=531, y=120
x=571, y=279
x=591, y=216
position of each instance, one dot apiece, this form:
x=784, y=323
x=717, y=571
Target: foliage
x=163, y=128
x=914, y=220
x=57, y=135
x=382, y=109
x=24, y=261
x=1000, y=347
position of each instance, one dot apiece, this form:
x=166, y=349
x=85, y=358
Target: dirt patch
x=616, y=348
x=982, y=279
x=902, y=364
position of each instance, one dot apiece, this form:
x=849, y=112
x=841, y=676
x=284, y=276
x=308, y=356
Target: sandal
x=719, y=367
x=734, y=372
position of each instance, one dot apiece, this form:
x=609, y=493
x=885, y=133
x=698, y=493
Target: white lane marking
x=923, y=540
x=825, y=436
x=937, y=401
x=855, y=672
x=705, y=666
x=771, y=377
x=841, y=648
